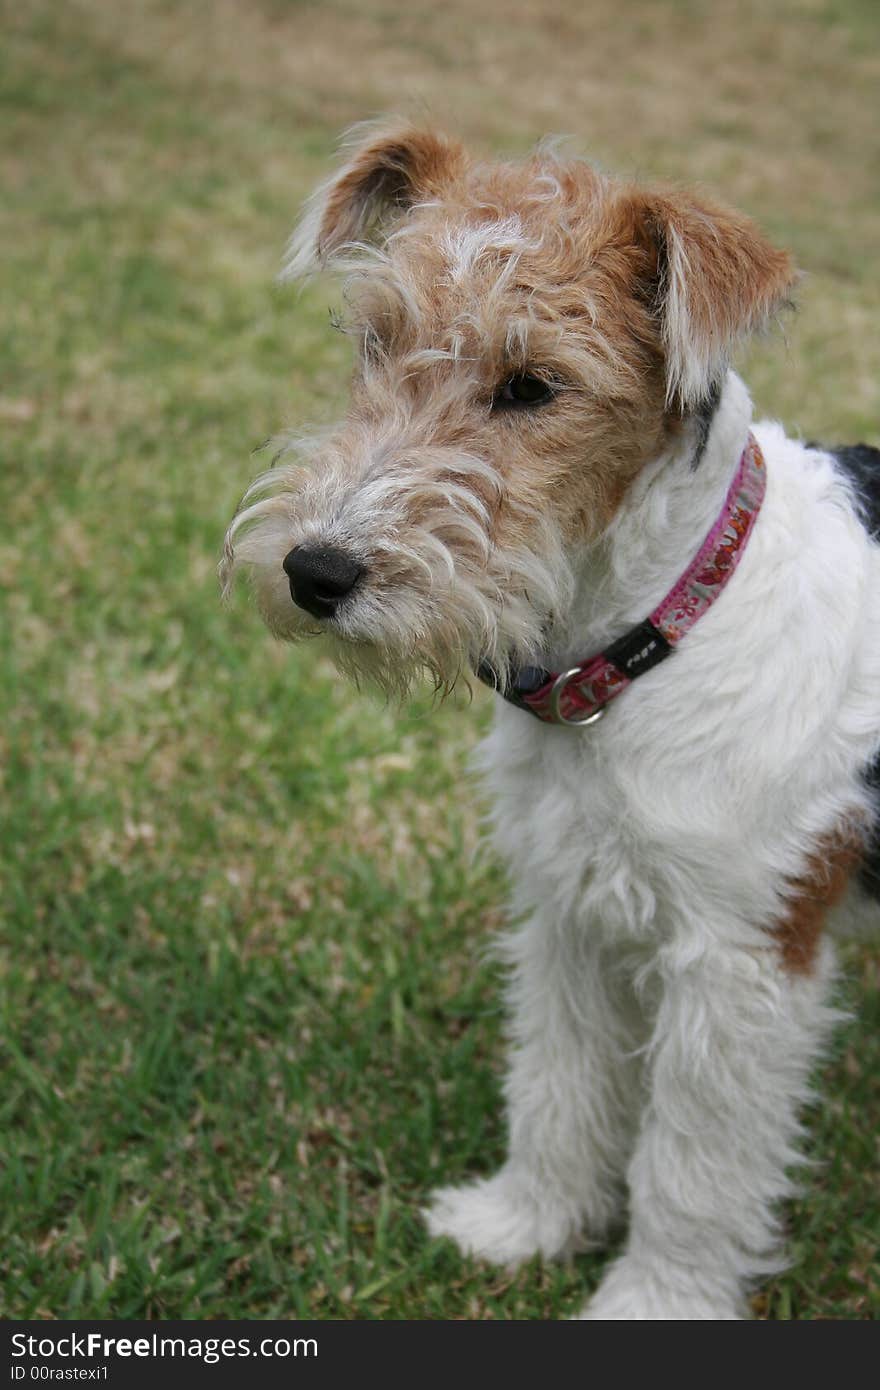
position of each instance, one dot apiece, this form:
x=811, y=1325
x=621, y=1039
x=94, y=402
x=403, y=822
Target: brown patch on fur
x=719, y=279
x=811, y=897
x=389, y=171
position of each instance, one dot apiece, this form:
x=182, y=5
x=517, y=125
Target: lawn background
x=246, y=1019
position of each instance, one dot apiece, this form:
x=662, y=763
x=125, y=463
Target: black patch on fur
x=860, y=465
x=703, y=416
x=869, y=869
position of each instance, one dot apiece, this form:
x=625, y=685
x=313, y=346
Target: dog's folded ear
x=387, y=169
x=717, y=279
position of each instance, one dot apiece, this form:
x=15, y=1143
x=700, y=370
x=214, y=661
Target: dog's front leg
x=735, y=1038
x=571, y=1093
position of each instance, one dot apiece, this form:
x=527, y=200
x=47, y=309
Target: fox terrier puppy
x=549, y=477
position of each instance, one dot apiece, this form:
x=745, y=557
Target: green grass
x=247, y=1022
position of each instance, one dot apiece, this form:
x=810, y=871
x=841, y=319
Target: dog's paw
x=632, y=1293
x=498, y=1219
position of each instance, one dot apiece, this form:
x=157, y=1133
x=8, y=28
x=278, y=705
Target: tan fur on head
x=717, y=276
x=461, y=277
x=389, y=167
x=719, y=279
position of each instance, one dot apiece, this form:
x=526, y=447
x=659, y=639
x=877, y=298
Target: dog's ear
x=717, y=279
x=388, y=168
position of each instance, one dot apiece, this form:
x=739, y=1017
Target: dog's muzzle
x=320, y=578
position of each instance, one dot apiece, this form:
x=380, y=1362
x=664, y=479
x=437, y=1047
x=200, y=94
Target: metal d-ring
x=556, y=694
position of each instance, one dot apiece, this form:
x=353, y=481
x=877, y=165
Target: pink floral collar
x=579, y=695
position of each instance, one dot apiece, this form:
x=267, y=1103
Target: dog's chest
x=580, y=830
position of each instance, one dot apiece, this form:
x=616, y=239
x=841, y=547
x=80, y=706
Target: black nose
x=319, y=577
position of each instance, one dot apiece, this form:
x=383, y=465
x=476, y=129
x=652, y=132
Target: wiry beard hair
x=439, y=596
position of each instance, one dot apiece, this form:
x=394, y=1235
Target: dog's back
x=860, y=465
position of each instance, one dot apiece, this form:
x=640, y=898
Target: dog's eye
x=523, y=391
